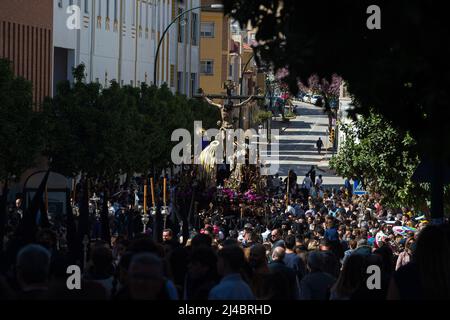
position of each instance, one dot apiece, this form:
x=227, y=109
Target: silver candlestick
x=165, y=213
x=145, y=218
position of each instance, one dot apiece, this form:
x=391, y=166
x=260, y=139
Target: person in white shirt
x=319, y=181
x=266, y=234
x=307, y=183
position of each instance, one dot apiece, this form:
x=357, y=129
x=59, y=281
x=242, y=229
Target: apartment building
x=117, y=40
x=26, y=36
x=214, y=49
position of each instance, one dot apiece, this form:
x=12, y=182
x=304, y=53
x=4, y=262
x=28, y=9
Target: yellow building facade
x=214, y=50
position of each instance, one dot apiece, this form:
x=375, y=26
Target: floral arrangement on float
x=230, y=191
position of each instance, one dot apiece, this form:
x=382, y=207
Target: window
x=107, y=9
x=154, y=21
x=124, y=12
x=140, y=14
x=133, y=8
x=172, y=75
x=115, y=10
x=100, y=8
x=193, y=84
x=231, y=70
x=146, y=15
x=86, y=6
x=181, y=27
x=207, y=29
x=179, y=82
x=194, y=35
x=99, y=15
x=60, y=3
x=207, y=67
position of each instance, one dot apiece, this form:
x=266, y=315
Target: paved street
x=297, y=144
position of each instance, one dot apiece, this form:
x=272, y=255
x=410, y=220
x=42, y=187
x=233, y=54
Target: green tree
x=20, y=127
x=102, y=133
x=383, y=158
x=91, y=132
x=20, y=131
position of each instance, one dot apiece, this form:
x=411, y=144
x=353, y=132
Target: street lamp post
x=243, y=72
x=212, y=6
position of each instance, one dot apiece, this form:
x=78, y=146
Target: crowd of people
x=297, y=241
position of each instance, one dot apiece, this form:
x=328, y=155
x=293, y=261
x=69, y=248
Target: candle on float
x=145, y=198
x=164, y=188
x=153, y=191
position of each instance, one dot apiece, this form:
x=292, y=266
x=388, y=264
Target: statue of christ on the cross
x=227, y=108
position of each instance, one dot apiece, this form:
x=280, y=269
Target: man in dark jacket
x=202, y=274
x=292, y=260
x=285, y=274
x=33, y=267
x=319, y=145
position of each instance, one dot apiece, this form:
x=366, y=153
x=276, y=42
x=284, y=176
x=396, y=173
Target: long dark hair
x=351, y=277
x=432, y=256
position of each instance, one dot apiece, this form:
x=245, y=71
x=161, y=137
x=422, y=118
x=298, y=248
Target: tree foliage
x=104, y=132
x=20, y=127
x=20, y=133
x=400, y=70
x=383, y=158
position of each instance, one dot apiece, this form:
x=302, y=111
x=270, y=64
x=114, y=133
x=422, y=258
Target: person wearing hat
x=248, y=227
x=246, y=234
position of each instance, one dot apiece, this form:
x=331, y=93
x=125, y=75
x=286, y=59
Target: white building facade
x=117, y=40
x=186, y=48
